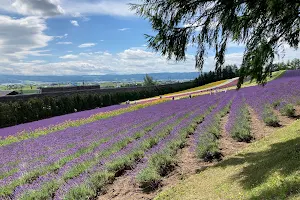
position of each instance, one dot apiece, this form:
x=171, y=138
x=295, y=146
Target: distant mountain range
x=14, y=79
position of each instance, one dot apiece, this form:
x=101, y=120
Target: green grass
x=267, y=169
x=25, y=90
x=275, y=75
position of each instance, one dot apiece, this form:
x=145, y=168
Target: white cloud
x=38, y=8
x=38, y=61
x=69, y=56
x=100, y=7
x=75, y=8
x=74, y=23
x=22, y=37
x=82, y=17
x=65, y=43
x=85, y=45
x=62, y=36
x=129, y=61
x=135, y=54
x=124, y=29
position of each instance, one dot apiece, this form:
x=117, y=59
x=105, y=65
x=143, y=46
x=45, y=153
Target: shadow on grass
x=281, y=158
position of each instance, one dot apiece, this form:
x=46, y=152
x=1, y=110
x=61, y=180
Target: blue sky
x=76, y=37
x=113, y=34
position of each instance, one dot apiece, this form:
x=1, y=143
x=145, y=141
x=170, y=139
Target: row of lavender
x=31, y=126
x=158, y=161
x=77, y=162
x=63, y=157
x=282, y=94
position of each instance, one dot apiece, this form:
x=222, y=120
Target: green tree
x=148, y=80
x=295, y=64
x=262, y=25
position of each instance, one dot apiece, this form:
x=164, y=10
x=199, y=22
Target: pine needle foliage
x=262, y=25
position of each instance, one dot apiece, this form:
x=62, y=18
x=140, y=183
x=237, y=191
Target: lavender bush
x=77, y=162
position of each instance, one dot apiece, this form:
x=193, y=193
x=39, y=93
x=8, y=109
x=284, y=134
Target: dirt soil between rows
x=126, y=188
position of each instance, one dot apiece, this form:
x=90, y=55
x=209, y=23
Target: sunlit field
x=76, y=156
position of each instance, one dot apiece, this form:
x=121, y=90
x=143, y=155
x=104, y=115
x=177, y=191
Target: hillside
x=267, y=169
x=135, y=151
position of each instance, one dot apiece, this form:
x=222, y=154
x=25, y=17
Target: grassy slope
x=199, y=88
x=275, y=75
x=267, y=169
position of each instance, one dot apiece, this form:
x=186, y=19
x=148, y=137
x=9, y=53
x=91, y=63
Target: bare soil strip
x=228, y=145
x=258, y=127
x=125, y=187
x=284, y=120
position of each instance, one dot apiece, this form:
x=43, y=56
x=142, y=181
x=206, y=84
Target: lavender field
x=78, y=162
x=4, y=132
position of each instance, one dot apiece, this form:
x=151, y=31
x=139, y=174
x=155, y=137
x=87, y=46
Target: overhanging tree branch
x=262, y=25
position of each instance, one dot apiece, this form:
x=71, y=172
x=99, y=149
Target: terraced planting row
x=26, y=131
x=53, y=164
x=79, y=161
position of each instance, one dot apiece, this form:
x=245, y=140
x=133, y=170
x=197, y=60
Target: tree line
x=228, y=72
x=33, y=109
x=289, y=65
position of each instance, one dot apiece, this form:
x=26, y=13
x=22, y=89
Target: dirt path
x=258, y=127
x=283, y=120
x=188, y=164
x=126, y=188
x=228, y=145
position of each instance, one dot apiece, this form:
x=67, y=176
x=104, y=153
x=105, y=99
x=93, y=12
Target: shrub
x=162, y=163
x=94, y=184
x=269, y=117
x=47, y=190
x=208, y=147
x=100, y=179
x=149, y=179
x=80, y=192
x=118, y=166
x=288, y=110
x=241, y=130
x=275, y=104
